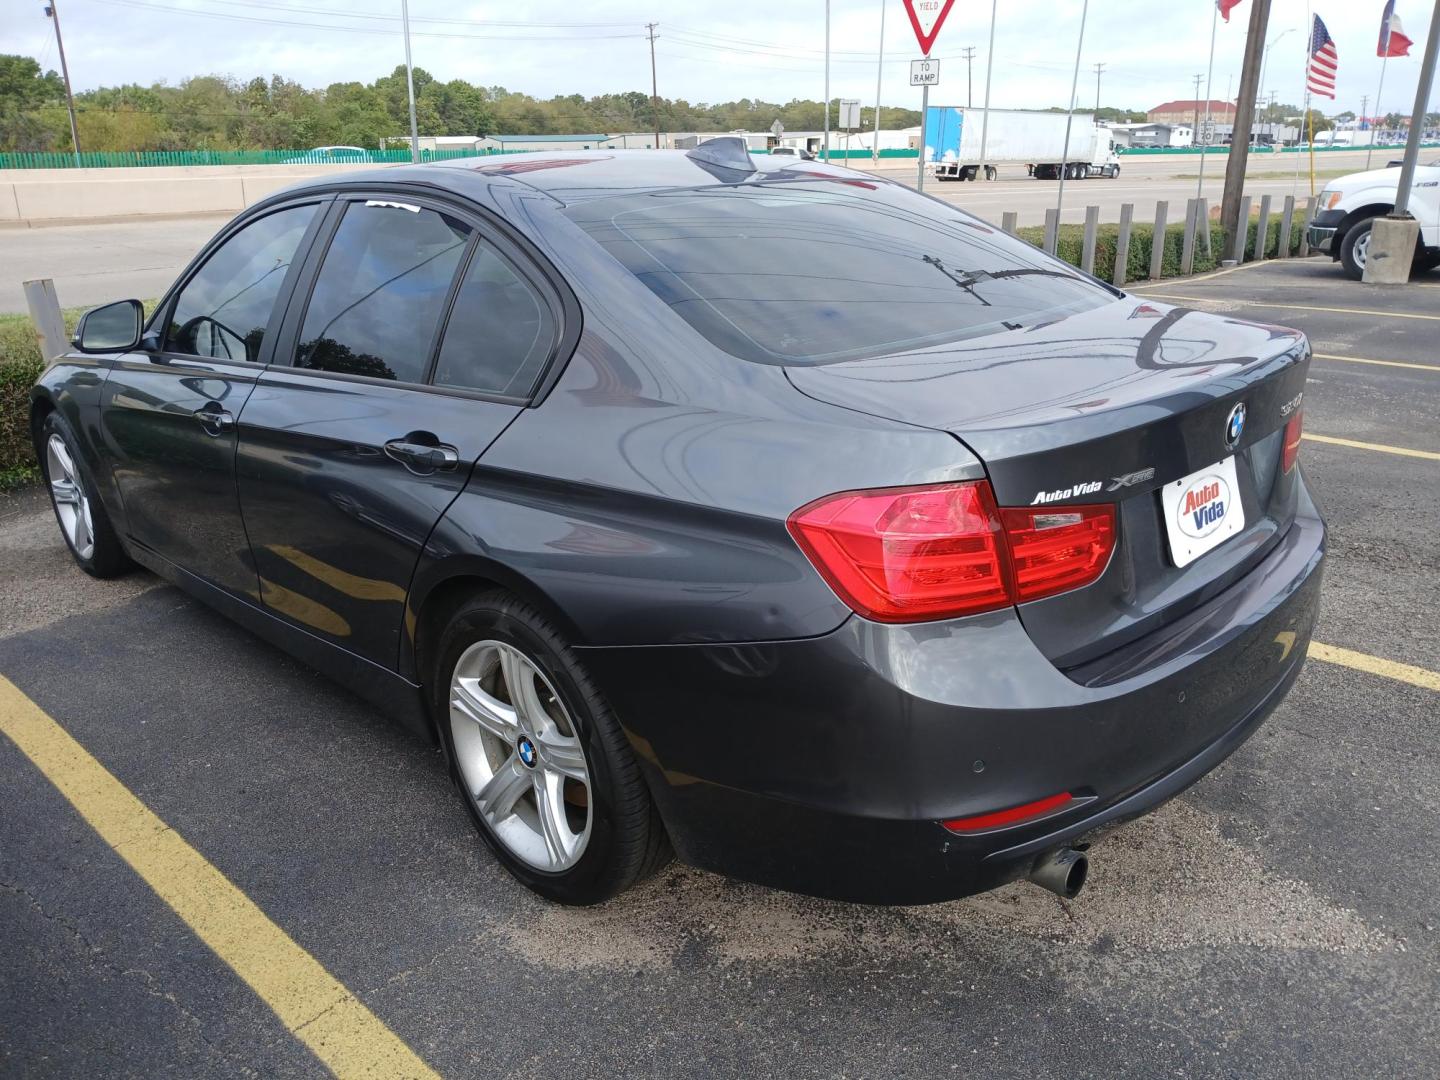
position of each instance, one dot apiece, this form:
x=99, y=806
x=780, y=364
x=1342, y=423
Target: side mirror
x=113, y=328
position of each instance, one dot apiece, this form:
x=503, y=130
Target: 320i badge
x=756, y=510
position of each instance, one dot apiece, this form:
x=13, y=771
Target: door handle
x=214, y=419
x=420, y=457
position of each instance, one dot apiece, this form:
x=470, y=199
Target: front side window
x=500, y=332
x=224, y=309
x=807, y=270
x=381, y=291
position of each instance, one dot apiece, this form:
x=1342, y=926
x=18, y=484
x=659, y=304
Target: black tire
x=991, y=172
x=627, y=841
x=106, y=558
x=1357, y=235
x=1425, y=263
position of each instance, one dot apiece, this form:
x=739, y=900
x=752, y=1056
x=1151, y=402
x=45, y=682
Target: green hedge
x=1071, y=240
x=20, y=366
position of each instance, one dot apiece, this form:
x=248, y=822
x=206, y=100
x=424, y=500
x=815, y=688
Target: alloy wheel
x=519, y=756
x=72, y=505
x=1361, y=250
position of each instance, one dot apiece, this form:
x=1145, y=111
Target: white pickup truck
x=1348, y=207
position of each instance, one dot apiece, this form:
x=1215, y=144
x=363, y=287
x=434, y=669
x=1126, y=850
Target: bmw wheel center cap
x=1235, y=426
x=526, y=751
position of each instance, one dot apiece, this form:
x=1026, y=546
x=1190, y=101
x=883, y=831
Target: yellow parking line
x=312, y=1003
x=1294, y=307
x=1404, y=451
x=1382, y=363
x=1374, y=665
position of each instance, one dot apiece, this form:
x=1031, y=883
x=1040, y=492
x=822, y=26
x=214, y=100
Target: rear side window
x=807, y=270
x=381, y=291
x=500, y=333
x=223, y=310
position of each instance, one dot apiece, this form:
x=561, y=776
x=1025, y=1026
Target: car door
x=168, y=417
x=422, y=336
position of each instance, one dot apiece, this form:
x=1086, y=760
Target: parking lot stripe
x=1381, y=448
x=1374, y=665
x=316, y=1007
x=1382, y=363
x=1295, y=307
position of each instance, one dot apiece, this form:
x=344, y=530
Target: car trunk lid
x=1108, y=405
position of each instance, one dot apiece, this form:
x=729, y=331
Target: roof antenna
x=727, y=151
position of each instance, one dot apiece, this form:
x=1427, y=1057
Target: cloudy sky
x=715, y=50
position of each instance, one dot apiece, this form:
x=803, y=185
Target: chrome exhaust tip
x=1063, y=872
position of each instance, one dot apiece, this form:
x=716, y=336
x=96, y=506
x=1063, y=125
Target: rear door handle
x=421, y=458
x=214, y=419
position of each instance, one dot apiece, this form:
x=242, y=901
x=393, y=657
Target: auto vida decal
x=1203, y=505
x=1088, y=488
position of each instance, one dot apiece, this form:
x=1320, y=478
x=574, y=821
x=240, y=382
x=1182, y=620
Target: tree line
x=215, y=112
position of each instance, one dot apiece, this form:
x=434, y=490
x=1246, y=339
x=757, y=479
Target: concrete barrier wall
x=53, y=196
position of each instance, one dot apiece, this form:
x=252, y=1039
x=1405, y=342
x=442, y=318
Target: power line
x=969, y=76
x=1098, y=69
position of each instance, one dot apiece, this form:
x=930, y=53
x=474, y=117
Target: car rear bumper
x=826, y=765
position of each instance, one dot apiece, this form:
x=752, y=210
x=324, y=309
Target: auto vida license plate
x=1202, y=510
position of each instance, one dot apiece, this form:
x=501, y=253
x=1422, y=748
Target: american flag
x=1324, y=62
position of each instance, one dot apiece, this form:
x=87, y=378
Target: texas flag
x=1226, y=6
x=1393, y=41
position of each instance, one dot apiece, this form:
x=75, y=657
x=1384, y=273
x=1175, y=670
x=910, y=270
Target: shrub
x=1070, y=242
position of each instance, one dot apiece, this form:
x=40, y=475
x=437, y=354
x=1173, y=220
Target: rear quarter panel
x=646, y=495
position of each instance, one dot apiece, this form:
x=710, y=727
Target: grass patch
x=1320, y=174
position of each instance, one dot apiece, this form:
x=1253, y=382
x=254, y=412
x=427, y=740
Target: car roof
x=571, y=176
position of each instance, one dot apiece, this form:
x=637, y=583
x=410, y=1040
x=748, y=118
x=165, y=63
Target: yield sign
x=926, y=18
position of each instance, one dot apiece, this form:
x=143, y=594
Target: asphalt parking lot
x=1279, y=919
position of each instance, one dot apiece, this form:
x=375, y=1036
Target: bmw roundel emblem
x=1235, y=426
x=526, y=750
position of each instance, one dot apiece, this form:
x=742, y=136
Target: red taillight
x=1291, y=453
x=1015, y=815
x=1055, y=550
x=908, y=554
x=911, y=554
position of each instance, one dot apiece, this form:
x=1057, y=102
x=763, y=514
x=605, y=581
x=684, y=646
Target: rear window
x=800, y=272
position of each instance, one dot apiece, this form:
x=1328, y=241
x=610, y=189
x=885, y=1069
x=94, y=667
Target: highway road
x=96, y=262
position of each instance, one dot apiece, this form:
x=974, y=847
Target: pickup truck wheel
x=1427, y=262
x=1356, y=247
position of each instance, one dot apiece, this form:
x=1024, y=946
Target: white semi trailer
x=1035, y=140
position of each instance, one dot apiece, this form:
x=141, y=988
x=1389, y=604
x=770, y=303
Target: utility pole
x=654, y=85
x=1365, y=126
x=1239, y=155
x=410, y=84
x=1098, y=69
x=1196, y=129
x=1209, y=92
x=65, y=71
x=969, y=76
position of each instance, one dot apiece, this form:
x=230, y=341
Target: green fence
x=150, y=158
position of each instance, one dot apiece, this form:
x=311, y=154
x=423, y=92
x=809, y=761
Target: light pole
x=410, y=84
x=826, y=152
x=1265, y=60
x=879, y=78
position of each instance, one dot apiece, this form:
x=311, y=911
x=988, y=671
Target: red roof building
x=1183, y=112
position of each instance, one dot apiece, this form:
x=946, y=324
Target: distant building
x=1184, y=112
x=542, y=142
x=1143, y=135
